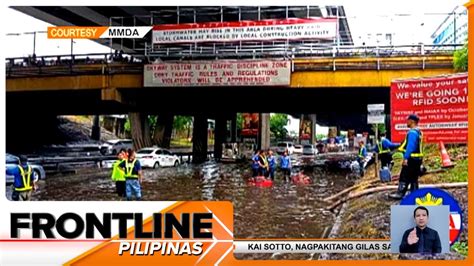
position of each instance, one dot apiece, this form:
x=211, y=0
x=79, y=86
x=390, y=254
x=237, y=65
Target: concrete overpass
x=315, y=88
x=325, y=73
x=336, y=90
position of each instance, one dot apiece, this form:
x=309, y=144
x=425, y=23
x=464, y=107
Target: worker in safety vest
x=361, y=157
x=263, y=164
x=24, y=180
x=285, y=165
x=118, y=175
x=271, y=164
x=384, y=148
x=412, y=149
x=255, y=163
x=133, y=176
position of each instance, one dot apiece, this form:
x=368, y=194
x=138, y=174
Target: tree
x=239, y=121
x=380, y=126
x=277, y=125
x=460, y=59
x=182, y=123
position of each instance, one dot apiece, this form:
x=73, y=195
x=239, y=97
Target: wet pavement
x=284, y=210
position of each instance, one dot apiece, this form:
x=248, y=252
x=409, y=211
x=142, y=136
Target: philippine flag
x=454, y=226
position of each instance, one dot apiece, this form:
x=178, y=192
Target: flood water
x=284, y=210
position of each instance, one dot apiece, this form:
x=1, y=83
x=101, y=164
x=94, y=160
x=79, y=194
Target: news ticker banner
x=218, y=73
x=440, y=102
x=84, y=32
x=312, y=246
x=262, y=30
x=184, y=233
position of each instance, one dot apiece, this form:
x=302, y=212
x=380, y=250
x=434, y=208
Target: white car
x=298, y=149
x=157, y=157
x=115, y=145
x=282, y=146
x=309, y=149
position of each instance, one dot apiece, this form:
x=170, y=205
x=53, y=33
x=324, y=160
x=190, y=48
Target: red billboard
x=440, y=102
x=250, y=124
x=306, y=126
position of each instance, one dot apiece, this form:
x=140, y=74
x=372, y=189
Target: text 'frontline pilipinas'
x=155, y=236
x=72, y=226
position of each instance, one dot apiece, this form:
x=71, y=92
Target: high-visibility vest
x=381, y=150
x=360, y=152
x=26, y=177
x=117, y=173
x=419, y=152
x=129, y=169
x=265, y=162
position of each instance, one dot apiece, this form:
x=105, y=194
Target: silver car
x=13, y=161
x=309, y=149
x=115, y=145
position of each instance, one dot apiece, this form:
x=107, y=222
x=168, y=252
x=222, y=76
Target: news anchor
x=421, y=238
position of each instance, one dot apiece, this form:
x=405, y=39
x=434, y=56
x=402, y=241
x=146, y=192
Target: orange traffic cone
x=445, y=161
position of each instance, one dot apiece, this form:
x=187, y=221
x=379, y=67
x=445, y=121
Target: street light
x=27, y=33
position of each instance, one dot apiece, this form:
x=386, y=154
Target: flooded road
x=284, y=210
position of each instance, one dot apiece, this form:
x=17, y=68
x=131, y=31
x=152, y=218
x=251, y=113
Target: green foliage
x=277, y=125
x=460, y=247
x=320, y=136
x=181, y=123
x=240, y=121
x=127, y=126
x=456, y=174
x=152, y=121
x=460, y=59
x=380, y=126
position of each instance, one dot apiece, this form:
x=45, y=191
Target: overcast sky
x=365, y=16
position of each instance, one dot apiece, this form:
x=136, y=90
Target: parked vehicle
x=298, y=149
x=309, y=149
x=282, y=146
x=157, y=157
x=115, y=145
x=13, y=161
x=231, y=152
x=247, y=148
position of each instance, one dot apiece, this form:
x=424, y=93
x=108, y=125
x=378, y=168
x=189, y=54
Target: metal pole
x=337, y=27
x=222, y=14
x=121, y=40
x=455, y=41
x=110, y=40
x=377, y=153
x=34, y=43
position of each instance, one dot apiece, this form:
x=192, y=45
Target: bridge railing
x=291, y=50
x=305, y=57
x=57, y=65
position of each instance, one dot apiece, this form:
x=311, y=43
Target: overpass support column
x=312, y=117
x=264, y=131
x=233, y=128
x=199, y=139
x=140, y=130
x=163, y=130
x=220, y=136
x=95, y=134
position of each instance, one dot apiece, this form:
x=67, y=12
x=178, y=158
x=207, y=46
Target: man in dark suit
x=420, y=239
